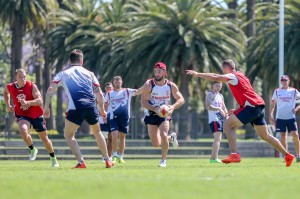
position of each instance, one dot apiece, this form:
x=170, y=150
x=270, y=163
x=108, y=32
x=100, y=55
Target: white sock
x=115, y=153
x=120, y=156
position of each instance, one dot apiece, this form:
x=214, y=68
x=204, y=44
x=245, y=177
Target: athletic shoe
x=103, y=160
x=288, y=159
x=121, y=160
x=215, y=161
x=174, y=140
x=80, y=166
x=162, y=163
x=54, y=162
x=233, y=158
x=115, y=159
x=109, y=164
x=33, y=154
x=298, y=159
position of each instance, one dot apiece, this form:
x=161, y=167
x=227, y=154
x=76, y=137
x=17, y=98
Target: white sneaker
x=33, y=153
x=54, y=162
x=174, y=140
x=162, y=163
x=102, y=159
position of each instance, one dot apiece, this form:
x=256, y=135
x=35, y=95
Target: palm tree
x=20, y=15
x=185, y=34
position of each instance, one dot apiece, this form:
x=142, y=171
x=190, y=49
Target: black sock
x=31, y=147
x=52, y=154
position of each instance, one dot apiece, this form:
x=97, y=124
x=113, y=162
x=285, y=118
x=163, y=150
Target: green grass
x=265, y=178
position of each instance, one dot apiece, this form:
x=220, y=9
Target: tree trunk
x=16, y=55
x=184, y=119
x=59, y=111
x=232, y=5
x=47, y=78
x=251, y=28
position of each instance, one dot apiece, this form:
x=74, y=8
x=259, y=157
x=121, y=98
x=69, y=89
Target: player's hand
x=9, y=108
x=295, y=110
x=171, y=109
x=24, y=102
x=191, y=72
x=272, y=121
x=157, y=110
x=46, y=112
x=103, y=114
x=231, y=111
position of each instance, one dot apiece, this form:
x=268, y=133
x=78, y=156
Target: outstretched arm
x=207, y=76
x=50, y=92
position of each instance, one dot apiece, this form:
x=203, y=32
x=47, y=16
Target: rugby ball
x=164, y=111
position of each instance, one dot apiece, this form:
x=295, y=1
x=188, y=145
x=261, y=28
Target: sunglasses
x=284, y=80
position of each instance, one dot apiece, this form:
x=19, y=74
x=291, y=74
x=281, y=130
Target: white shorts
x=105, y=134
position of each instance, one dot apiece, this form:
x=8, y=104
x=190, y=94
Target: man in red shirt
x=250, y=109
x=28, y=110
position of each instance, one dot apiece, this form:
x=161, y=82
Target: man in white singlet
x=285, y=100
x=117, y=103
x=216, y=108
x=157, y=92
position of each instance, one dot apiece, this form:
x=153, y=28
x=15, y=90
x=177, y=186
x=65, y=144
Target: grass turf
x=265, y=178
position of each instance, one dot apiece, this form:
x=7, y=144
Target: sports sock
x=31, y=147
x=52, y=154
x=115, y=153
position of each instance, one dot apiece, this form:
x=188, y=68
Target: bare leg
x=69, y=134
x=296, y=142
x=114, y=135
x=164, y=129
x=46, y=141
x=99, y=139
x=229, y=127
x=109, y=145
x=154, y=135
x=122, y=143
x=262, y=131
x=24, y=126
x=283, y=140
x=216, y=145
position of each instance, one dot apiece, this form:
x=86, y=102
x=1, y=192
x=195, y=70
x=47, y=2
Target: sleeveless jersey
x=243, y=92
x=160, y=95
x=285, y=101
x=26, y=94
x=119, y=102
x=216, y=100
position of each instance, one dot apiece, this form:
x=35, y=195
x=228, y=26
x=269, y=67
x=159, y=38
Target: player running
x=285, y=100
x=80, y=86
x=250, y=110
x=28, y=110
x=118, y=103
x=157, y=92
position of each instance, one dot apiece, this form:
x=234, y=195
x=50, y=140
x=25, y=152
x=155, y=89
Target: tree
x=185, y=34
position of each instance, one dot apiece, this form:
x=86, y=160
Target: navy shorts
x=90, y=115
x=216, y=126
x=282, y=125
x=254, y=115
x=120, y=124
x=154, y=119
x=105, y=127
x=39, y=123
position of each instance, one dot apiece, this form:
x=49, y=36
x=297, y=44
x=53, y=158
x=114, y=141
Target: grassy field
x=261, y=178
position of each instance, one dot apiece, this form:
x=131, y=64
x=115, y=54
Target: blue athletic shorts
x=254, y=115
x=154, y=119
x=39, y=123
x=216, y=126
x=120, y=124
x=90, y=115
x=282, y=125
x=105, y=127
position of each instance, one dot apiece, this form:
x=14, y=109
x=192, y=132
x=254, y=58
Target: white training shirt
x=217, y=100
x=160, y=95
x=119, y=102
x=285, y=102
